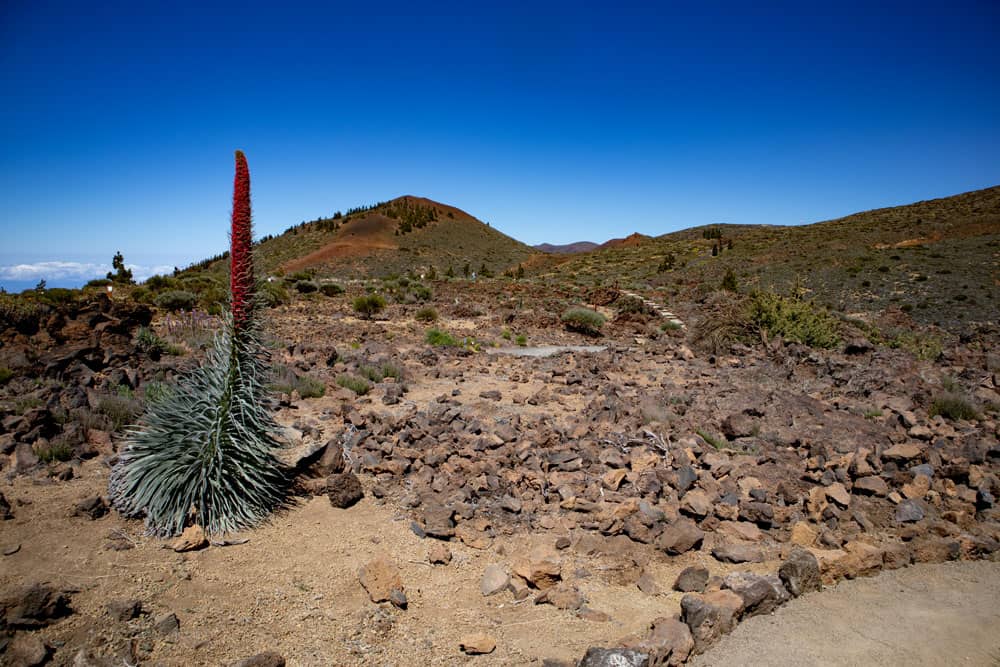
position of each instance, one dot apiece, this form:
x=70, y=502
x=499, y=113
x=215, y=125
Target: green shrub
x=5, y=375
x=421, y=293
x=98, y=282
x=155, y=392
x=953, y=406
x=729, y=281
x=310, y=387
x=300, y=275
x=521, y=340
x=379, y=373
x=147, y=342
x=369, y=305
x=54, y=451
x=583, y=320
x=306, y=287
x=159, y=283
x=331, y=289
x=426, y=314
x=440, y=338
x=121, y=409
x=631, y=305
x=272, y=294
x=174, y=300
x=359, y=386
x=793, y=319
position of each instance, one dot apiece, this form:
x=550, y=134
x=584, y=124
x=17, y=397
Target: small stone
x=697, y=504
x=266, y=659
x=760, y=594
x=380, y=577
x=561, y=596
x=710, y=615
x=647, y=584
x=593, y=615
x=191, y=539
x=613, y=657
x=438, y=521
x=562, y=542
x=738, y=553
x=33, y=606
x=803, y=534
x=26, y=650
x=477, y=644
x=908, y=511
x=838, y=494
x=918, y=488
x=124, y=610
x=692, y=579
x=398, y=598
x=669, y=642
x=344, y=490
x=93, y=507
x=800, y=572
x=902, y=452
x=167, y=623
x=680, y=537
x=542, y=568
x=439, y=554
x=495, y=579
x=871, y=486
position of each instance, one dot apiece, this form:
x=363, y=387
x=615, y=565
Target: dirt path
x=945, y=614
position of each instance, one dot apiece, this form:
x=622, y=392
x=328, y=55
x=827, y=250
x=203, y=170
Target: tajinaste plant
x=207, y=452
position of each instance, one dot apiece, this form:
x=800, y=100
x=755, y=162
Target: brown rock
x=647, y=583
x=438, y=521
x=92, y=507
x=680, y=537
x=34, y=606
x=800, y=572
x=561, y=596
x=477, y=643
x=902, y=452
x=266, y=659
x=872, y=486
x=439, y=554
x=760, y=594
x=495, y=579
x=918, y=488
x=26, y=650
x=380, y=577
x=710, y=616
x=692, y=579
x=191, y=539
x=838, y=494
x=669, y=642
x=344, y=489
x=696, y=503
x=735, y=552
x=803, y=534
x=542, y=568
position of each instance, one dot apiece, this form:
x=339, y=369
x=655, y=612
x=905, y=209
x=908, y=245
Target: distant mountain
x=630, y=241
x=567, y=249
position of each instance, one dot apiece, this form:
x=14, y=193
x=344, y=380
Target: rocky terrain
x=476, y=502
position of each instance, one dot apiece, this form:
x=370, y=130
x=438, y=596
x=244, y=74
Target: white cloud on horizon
x=57, y=270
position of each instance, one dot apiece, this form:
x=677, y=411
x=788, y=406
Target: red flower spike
x=241, y=244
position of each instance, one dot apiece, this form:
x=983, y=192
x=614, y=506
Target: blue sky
x=555, y=122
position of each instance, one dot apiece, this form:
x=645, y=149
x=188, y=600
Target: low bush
x=120, y=409
x=174, y=300
x=953, y=406
x=54, y=451
x=331, y=289
x=426, y=314
x=359, y=386
x=306, y=287
x=793, y=319
x=521, y=340
x=583, y=320
x=310, y=387
x=5, y=375
x=369, y=305
x=272, y=294
x=440, y=338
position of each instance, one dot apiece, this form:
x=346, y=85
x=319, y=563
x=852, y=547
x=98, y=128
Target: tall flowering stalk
x=241, y=243
x=206, y=452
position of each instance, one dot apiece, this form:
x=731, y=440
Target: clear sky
x=555, y=122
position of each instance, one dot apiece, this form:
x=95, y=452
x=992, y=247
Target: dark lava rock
x=760, y=594
x=344, y=490
x=93, y=507
x=692, y=579
x=26, y=650
x=738, y=426
x=710, y=615
x=800, y=572
x=438, y=522
x=613, y=657
x=124, y=610
x=167, y=623
x=34, y=606
x=908, y=511
x=5, y=513
x=266, y=659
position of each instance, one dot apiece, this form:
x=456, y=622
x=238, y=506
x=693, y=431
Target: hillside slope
x=937, y=260
x=404, y=234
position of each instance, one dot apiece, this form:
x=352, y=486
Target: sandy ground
x=931, y=615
